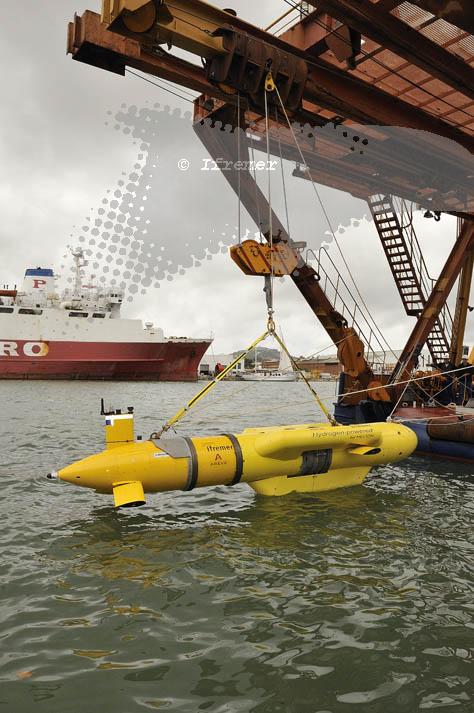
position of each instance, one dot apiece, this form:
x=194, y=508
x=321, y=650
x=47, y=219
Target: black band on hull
x=239, y=459
x=192, y=466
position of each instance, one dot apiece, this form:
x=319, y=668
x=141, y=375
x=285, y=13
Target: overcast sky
x=61, y=157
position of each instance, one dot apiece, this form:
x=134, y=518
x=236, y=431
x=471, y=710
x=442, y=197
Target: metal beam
x=158, y=23
x=258, y=207
x=329, y=87
x=309, y=33
x=435, y=302
x=89, y=41
x=394, y=34
x=362, y=102
x=462, y=306
x=459, y=12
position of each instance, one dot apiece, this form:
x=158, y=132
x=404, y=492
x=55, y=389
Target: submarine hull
x=273, y=461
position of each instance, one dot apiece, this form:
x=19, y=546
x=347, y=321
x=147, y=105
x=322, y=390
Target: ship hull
x=159, y=361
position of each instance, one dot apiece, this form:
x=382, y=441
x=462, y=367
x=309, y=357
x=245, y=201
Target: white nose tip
x=53, y=475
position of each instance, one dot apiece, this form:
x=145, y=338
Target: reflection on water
x=220, y=600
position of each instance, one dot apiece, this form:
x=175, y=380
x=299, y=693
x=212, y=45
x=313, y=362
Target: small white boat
x=326, y=376
x=285, y=371
x=263, y=375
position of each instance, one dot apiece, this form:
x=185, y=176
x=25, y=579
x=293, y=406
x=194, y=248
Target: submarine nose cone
x=53, y=475
x=72, y=473
x=92, y=472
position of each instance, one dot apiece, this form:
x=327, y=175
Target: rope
x=207, y=388
x=282, y=172
x=331, y=229
x=401, y=383
x=249, y=385
x=389, y=418
x=161, y=86
x=271, y=330
x=293, y=404
x=329, y=399
x=314, y=393
x=321, y=401
x=404, y=390
x=255, y=183
x=269, y=85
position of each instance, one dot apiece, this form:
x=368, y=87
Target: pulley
x=255, y=258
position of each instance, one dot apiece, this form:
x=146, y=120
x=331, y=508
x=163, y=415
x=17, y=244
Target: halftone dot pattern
x=116, y=238
x=123, y=240
x=128, y=242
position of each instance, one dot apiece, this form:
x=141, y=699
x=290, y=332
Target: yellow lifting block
x=128, y=494
x=269, y=83
x=255, y=258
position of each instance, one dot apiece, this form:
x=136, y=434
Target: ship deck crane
x=326, y=77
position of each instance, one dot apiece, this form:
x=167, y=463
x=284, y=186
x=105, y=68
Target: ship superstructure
x=80, y=334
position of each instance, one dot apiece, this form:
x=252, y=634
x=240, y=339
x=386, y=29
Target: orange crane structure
x=359, y=69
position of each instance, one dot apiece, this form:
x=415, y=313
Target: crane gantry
x=360, y=69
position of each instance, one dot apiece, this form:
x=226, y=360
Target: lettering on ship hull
x=29, y=349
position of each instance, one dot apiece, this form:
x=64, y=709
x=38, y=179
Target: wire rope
x=369, y=316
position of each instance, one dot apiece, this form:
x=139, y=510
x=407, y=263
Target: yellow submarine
x=279, y=460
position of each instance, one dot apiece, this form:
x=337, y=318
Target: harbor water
x=220, y=600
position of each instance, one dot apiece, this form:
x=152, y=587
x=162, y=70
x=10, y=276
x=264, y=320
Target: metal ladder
x=409, y=270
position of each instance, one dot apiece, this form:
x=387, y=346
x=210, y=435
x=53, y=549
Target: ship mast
x=79, y=262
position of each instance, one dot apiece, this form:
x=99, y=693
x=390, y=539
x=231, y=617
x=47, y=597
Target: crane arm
x=304, y=277
x=425, y=322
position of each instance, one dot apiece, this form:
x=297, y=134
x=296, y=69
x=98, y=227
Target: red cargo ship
x=81, y=335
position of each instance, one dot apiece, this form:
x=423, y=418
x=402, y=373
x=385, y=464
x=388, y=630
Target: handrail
x=338, y=291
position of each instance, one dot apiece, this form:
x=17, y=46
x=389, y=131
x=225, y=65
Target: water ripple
x=220, y=600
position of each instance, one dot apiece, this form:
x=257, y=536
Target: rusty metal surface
x=451, y=428
x=329, y=153
x=382, y=66
x=404, y=41
x=460, y=13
